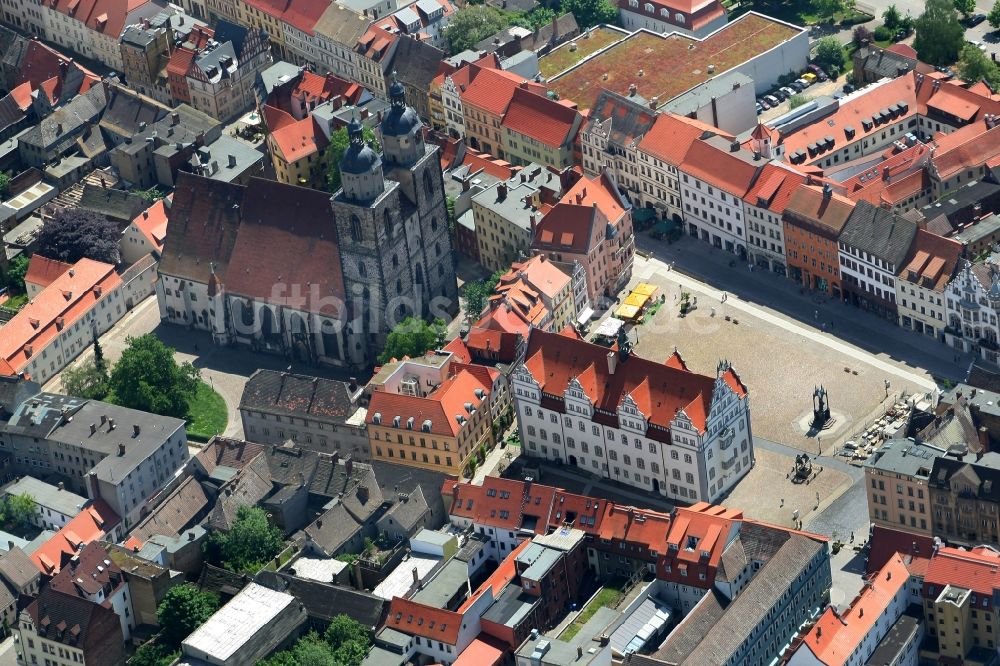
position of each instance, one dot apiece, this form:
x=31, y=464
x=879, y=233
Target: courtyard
x=780, y=360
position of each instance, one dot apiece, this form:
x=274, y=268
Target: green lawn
x=15, y=303
x=606, y=598
x=207, y=414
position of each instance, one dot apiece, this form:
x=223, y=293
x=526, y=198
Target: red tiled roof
x=104, y=16
x=180, y=61
x=774, y=187
x=485, y=341
x=480, y=652
x=520, y=300
x=836, y=636
x=916, y=549
x=457, y=347
x=904, y=50
x=808, y=203
x=541, y=118
x=931, y=261
x=299, y=139
x=977, y=570
x=92, y=523
x=375, y=42
x=416, y=619
x=303, y=14
x=853, y=117
x=152, y=223
x=488, y=164
x=441, y=408
x=43, y=271
x=41, y=63
x=553, y=360
x=500, y=578
x=671, y=136
x=491, y=90
x=284, y=241
x=724, y=170
x=68, y=298
x=973, y=146
x=540, y=273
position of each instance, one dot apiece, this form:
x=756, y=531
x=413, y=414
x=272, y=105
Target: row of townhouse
x=819, y=199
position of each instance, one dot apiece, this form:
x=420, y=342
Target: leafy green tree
x=974, y=65
x=151, y=195
x=154, y=654
x=536, y=18
x=940, y=36
x=477, y=294
x=344, y=628
x=339, y=142
x=994, y=16
x=350, y=653
x=98, y=353
x=471, y=25
x=589, y=13
x=413, y=337
x=148, y=378
x=891, y=18
x=4, y=182
x=830, y=55
x=184, y=608
x=87, y=381
x=966, y=7
x=827, y=9
x=250, y=544
x=16, y=271
x=20, y=509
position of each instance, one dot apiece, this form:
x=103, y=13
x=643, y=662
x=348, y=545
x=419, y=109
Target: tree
x=830, y=55
x=591, y=12
x=861, y=35
x=967, y=7
x=153, y=654
x=536, y=18
x=473, y=24
x=891, y=18
x=151, y=195
x=827, y=9
x=994, y=16
x=98, y=353
x=20, y=509
x=73, y=234
x=339, y=142
x=413, y=337
x=16, y=271
x=974, y=65
x=940, y=36
x=477, y=294
x=86, y=381
x=250, y=544
x=351, y=653
x=344, y=628
x=148, y=378
x=4, y=182
x=184, y=608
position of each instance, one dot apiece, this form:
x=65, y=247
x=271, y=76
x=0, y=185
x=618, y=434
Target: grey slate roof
x=879, y=232
x=902, y=456
x=47, y=495
x=299, y=395
x=415, y=63
x=334, y=529
x=17, y=568
x=409, y=510
x=14, y=391
x=324, y=601
x=57, y=132
x=986, y=470
x=117, y=205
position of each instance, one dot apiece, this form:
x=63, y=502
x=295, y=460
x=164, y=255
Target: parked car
x=804, y=82
x=809, y=78
x=780, y=94
x=789, y=91
x=798, y=86
x=849, y=88
x=760, y=108
x=774, y=101
x=976, y=19
x=818, y=71
x=763, y=103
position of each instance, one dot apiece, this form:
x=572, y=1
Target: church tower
x=392, y=230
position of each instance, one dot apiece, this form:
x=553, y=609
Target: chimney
x=363, y=493
x=319, y=524
x=175, y=118
x=502, y=191
x=612, y=362
x=349, y=465
x=534, y=223
x=232, y=161
x=632, y=90
x=104, y=419
x=190, y=536
x=111, y=425
x=827, y=191
x=416, y=576
x=62, y=486
x=579, y=652
x=358, y=583
x=984, y=439
x=121, y=448
x=136, y=430
x=10, y=545
x=93, y=428
x=734, y=147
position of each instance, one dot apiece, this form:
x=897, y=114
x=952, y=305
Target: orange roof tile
x=543, y=119
x=480, y=652
x=416, y=619
x=725, y=170
x=68, y=298
x=500, y=578
x=442, y=407
x=931, y=261
x=491, y=90
x=152, y=223
x=43, y=271
x=22, y=95
x=541, y=274
x=977, y=570
x=808, y=203
x=299, y=139
x=91, y=524
x=966, y=148
x=835, y=637
x=671, y=136
x=853, y=119
x=774, y=187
